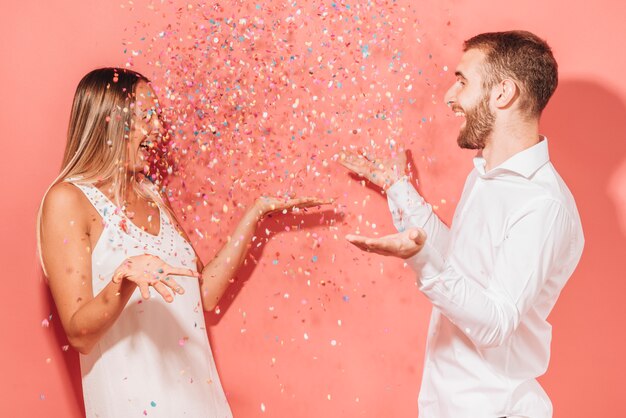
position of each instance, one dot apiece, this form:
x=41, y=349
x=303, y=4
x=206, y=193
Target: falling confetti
x=262, y=99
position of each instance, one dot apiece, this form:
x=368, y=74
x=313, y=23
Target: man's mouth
x=458, y=112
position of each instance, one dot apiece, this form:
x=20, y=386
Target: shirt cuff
x=403, y=194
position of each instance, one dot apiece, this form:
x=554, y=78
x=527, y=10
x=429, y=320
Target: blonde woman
x=128, y=286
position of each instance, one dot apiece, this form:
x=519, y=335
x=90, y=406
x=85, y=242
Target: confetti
x=262, y=100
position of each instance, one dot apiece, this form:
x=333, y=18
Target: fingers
x=403, y=245
x=176, y=271
x=356, y=239
x=351, y=155
x=276, y=204
x=359, y=244
x=118, y=275
x=306, y=202
x=382, y=173
x=163, y=291
x=179, y=271
x=357, y=164
x=367, y=244
x=144, y=288
x=370, y=158
x=418, y=236
x=172, y=284
x=371, y=247
x=355, y=168
x=161, y=286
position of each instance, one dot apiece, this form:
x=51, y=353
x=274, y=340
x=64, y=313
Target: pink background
x=315, y=328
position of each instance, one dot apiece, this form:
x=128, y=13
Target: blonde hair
x=98, y=133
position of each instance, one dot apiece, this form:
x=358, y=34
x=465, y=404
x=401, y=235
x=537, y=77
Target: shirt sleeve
x=540, y=239
x=409, y=210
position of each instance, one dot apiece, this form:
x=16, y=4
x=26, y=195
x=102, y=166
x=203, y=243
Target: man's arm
x=409, y=210
x=537, y=246
x=534, y=247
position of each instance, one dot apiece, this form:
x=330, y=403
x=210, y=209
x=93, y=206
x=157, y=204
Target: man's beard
x=478, y=126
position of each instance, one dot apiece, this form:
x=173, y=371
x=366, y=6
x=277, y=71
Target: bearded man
x=495, y=274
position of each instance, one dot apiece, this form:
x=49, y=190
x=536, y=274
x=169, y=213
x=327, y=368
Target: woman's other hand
x=149, y=270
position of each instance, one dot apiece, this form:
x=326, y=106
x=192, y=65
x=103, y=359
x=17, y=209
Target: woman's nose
x=158, y=126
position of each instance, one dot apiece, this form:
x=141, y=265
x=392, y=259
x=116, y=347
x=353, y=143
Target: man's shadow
x=584, y=123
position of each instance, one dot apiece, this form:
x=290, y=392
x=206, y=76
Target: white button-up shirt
x=493, y=278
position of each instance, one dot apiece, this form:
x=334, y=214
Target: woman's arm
x=66, y=252
x=220, y=272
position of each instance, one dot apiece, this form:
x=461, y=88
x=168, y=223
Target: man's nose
x=450, y=97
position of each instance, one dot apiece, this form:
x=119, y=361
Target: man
x=516, y=237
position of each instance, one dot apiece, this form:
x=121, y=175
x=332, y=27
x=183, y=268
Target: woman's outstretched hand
x=149, y=270
x=266, y=205
x=381, y=172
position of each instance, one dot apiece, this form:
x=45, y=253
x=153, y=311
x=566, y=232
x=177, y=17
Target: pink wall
x=363, y=319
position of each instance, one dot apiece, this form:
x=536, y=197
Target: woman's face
x=146, y=128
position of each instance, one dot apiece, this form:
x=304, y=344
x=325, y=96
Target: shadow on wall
x=274, y=225
x=585, y=124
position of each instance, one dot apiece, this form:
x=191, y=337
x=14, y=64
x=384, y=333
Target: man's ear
x=505, y=93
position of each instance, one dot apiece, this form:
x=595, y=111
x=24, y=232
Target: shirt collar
x=524, y=163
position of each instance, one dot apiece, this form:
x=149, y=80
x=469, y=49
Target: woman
x=123, y=275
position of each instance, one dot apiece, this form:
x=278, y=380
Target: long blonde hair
x=97, y=137
x=99, y=127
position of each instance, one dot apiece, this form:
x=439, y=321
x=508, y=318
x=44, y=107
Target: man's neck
x=507, y=139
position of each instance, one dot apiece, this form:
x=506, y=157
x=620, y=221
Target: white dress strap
x=100, y=202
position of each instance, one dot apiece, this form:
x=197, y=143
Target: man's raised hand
x=381, y=172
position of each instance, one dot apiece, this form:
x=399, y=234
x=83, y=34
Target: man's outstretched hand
x=381, y=172
x=403, y=244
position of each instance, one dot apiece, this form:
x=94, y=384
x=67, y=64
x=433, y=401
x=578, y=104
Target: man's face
x=469, y=99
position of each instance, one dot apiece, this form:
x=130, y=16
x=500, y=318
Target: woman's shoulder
x=64, y=199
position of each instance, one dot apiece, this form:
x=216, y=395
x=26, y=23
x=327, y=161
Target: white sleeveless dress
x=155, y=361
